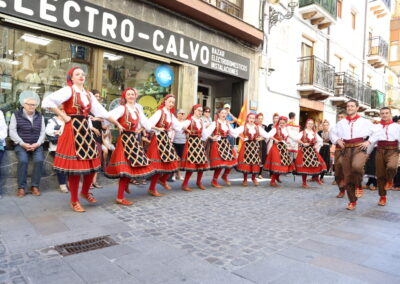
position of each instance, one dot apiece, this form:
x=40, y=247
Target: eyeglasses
x=206, y=111
x=31, y=105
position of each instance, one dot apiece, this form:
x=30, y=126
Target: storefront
x=42, y=41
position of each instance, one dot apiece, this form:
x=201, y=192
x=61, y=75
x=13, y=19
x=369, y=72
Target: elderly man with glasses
x=27, y=130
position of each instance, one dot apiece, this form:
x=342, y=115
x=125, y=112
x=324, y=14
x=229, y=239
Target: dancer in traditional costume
x=194, y=157
x=278, y=159
x=249, y=155
x=128, y=160
x=263, y=143
x=76, y=152
x=222, y=154
x=308, y=160
x=339, y=178
x=387, y=154
x=161, y=151
x=351, y=136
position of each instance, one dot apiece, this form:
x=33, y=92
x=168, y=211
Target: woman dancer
x=263, y=143
x=128, y=160
x=249, y=155
x=194, y=157
x=76, y=153
x=222, y=154
x=165, y=160
x=278, y=159
x=308, y=160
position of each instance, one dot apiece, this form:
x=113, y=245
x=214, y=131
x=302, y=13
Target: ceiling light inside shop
x=35, y=87
x=112, y=57
x=9, y=61
x=35, y=39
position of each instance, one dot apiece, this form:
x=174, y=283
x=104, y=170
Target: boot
x=382, y=201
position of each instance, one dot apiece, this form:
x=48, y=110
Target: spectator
x=3, y=135
x=27, y=130
x=54, y=129
x=275, y=119
x=179, y=139
x=232, y=120
x=206, y=118
x=97, y=129
x=107, y=147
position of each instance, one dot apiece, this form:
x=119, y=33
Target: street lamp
x=276, y=16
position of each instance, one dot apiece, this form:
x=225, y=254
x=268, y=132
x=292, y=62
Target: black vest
x=28, y=132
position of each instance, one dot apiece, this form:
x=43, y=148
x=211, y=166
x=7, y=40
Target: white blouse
x=119, y=111
x=310, y=135
x=198, y=122
x=3, y=128
x=252, y=130
x=170, y=118
x=225, y=126
x=57, y=98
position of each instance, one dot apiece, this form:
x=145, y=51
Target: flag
x=242, y=118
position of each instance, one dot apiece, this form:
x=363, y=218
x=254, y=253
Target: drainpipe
x=328, y=46
x=365, y=43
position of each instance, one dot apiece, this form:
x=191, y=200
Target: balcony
x=348, y=87
x=378, y=52
x=321, y=13
x=232, y=7
x=316, y=78
x=221, y=16
x=380, y=8
x=377, y=102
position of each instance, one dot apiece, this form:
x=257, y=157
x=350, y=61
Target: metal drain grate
x=85, y=245
x=383, y=215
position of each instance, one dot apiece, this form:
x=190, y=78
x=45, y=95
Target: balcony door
x=307, y=64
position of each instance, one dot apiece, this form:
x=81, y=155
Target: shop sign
x=91, y=20
x=164, y=75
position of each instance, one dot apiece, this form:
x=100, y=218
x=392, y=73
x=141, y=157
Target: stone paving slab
x=230, y=235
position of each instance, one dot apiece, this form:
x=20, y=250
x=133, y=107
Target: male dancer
x=339, y=180
x=387, y=154
x=351, y=137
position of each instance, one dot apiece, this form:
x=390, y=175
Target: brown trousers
x=338, y=170
x=353, y=162
x=386, y=167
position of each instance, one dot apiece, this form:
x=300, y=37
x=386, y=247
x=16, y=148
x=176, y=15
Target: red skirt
x=160, y=167
x=302, y=170
x=66, y=161
x=246, y=168
x=188, y=166
x=216, y=162
x=119, y=166
x=274, y=164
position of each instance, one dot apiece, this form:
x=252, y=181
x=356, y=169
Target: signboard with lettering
x=94, y=21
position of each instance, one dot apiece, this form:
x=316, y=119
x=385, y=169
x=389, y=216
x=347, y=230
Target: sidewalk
x=230, y=235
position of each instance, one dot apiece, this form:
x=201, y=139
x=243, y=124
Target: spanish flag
x=242, y=118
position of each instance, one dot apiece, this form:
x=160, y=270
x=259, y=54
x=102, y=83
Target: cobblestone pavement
x=231, y=235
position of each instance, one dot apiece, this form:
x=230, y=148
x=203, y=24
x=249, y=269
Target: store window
x=121, y=71
x=34, y=62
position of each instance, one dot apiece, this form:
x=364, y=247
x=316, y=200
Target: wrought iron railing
x=233, y=7
x=386, y=2
x=377, y=46
x=378, y=99
x=329, y=5
x=350, y=87
x=314, y=71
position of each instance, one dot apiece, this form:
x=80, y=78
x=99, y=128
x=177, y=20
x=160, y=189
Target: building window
x=232, y=7
x=395, y=51
x=339, y=8
x=353, y=19
x=369, y=81
x=352, y=69
x=337, y=63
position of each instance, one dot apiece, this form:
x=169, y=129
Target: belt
x=388, y=143
x=352, y=143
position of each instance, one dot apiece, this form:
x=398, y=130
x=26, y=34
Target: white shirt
x=119, y=111
x=285, y=133
x=170, y=118
x=50, y=131
x=199, y=122
x=252, y=130
x=390, y=132
x=310, y=134
x=346, y=130
x=64, y=94
x=3, y=128
x=225, y=126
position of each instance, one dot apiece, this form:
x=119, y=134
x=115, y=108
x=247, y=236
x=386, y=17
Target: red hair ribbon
x=172, y=110
x=193, y=110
